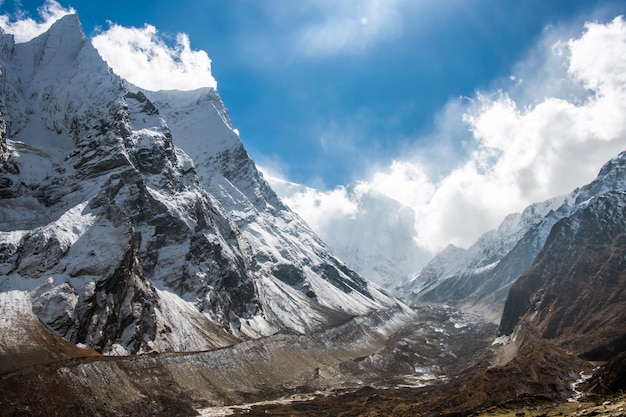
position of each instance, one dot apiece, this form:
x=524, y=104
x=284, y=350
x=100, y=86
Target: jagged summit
x=135, y=221
x=61, y=44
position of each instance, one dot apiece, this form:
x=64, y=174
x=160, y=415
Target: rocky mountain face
x=575, y=292
x=480, y=277
x=565, y=316
x=134, y=221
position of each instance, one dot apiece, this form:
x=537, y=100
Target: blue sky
x=322, y=112
x=461, y=111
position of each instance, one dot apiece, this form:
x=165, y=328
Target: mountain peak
x=618, y=161
x=65, y=35
x=143, y=213
x=70, y=23
x=61, y=44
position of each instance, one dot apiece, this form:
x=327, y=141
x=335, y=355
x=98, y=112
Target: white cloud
x=25, y=28
x=537, y=139
x=405, y=182
x=323, y=209
x=317, y=207
x=370, y=230
x=143, y=57
x=600, y=69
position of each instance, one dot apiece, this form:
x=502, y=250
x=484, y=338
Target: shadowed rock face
x=611, y=378
x=575, y=292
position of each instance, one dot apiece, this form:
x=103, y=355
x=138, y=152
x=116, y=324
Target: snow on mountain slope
x=375, y=238
x=481, y=257
x=282, y=240
x=135, y=221
x=481, y=276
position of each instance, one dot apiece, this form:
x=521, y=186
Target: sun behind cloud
x=524, y=145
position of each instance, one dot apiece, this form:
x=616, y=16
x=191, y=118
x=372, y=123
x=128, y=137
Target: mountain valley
x=148, y=268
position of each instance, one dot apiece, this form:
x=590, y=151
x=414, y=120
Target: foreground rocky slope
x=136, y=222
x=392, y=349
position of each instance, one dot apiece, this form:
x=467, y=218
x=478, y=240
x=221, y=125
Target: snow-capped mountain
x=134, y=221
x=480, y=277
x=375, y=239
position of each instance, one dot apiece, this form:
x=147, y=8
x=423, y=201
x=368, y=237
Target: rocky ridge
x=479, y=278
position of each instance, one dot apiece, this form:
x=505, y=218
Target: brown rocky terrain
x=369, y=402
x=26, y=341
x=393, y=351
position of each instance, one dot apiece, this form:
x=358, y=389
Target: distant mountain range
x=479, y=278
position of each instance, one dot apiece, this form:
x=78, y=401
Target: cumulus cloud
x=143, y=57
x=600, y=69
x=25, y=28
x=322, y=210
x=547, y=133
